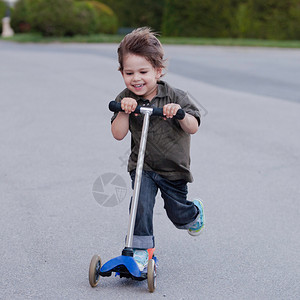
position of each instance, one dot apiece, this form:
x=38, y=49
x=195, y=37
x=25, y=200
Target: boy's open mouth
x=138, y=86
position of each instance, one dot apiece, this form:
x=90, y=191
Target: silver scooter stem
x=138, y=176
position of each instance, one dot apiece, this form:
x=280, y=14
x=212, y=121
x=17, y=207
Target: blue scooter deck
x=124, y=266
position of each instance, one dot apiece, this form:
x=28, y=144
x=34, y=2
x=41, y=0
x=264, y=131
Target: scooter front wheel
x=94, y=271
x=151, y=275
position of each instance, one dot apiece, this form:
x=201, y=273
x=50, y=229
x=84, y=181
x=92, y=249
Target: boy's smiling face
x=140, y=76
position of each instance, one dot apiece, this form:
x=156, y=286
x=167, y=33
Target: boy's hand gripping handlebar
x=156, y=111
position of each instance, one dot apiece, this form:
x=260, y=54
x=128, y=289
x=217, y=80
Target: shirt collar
x=161, y=89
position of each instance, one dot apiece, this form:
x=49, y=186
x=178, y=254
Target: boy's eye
x=143, y=72
x=128, y=73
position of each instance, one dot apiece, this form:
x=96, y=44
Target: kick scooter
x=125, y=265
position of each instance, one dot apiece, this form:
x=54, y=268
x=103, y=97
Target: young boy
x=167, y=157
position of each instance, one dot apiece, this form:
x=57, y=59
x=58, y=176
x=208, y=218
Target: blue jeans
x=182, y=213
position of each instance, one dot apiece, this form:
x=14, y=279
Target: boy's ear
x=158, y=72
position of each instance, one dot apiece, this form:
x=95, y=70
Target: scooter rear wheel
x=151, y=275
x=94, y=271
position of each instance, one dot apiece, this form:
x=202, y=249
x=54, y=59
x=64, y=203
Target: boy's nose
x=136, y=77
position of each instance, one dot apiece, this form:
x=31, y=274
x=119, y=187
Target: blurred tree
x=268, y=19
x=86, y=18
x=54, y=17
x=22, y=16
x=3, y=8
x=107, y=21
x=94, y=17
x=63, y=17
x=133, y=13
x=198, y=18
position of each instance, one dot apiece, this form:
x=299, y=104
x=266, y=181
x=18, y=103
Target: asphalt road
x=55, y=141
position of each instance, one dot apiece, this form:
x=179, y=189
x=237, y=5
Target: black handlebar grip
x=157, y=111
x=180, y=114
x=115, y=106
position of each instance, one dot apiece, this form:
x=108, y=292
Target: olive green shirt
x=168, y=146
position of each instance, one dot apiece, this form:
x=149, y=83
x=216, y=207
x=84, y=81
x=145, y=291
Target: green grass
x=106, y=38
x=231, y=42
x=38, y=38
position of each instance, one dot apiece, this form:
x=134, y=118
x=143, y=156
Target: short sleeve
x=188, y=105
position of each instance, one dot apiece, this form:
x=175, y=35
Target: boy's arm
x=189, y=124
x=120, y=125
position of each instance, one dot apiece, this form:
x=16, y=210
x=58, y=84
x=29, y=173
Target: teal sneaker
x=141, y=257
x=197, y=228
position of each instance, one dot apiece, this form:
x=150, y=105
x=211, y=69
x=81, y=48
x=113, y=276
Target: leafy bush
x=3, y=8
x=133, y=13
x=242, y=21
x=54, y=17
x=22, y=16
x=63, y=17
x=197, y=18
x=94, y=17
x=2, y=13
x=107, y=21
x=294, y=24
x=50, y=17
x=85, y=18
x=269, y=19
x=266, y=19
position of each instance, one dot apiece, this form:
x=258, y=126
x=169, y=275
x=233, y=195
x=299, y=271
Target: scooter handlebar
x=157, y=111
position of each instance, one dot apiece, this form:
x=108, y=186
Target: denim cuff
x=143, y=242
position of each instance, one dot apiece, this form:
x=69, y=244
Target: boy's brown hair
x=142, y=42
